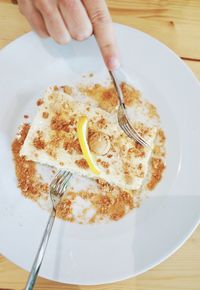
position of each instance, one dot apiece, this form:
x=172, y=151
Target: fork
x=117, y=76
x=57, y=188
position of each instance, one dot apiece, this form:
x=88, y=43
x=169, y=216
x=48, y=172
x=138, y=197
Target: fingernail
x=113, y=63
x=64, y=39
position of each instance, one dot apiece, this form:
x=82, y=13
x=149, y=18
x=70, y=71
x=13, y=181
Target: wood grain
x=176, y=23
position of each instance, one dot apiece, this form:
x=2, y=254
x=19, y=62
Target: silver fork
x=57, y=188
x=117, y=76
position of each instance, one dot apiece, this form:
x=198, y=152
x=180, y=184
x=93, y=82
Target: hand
x=66, y=19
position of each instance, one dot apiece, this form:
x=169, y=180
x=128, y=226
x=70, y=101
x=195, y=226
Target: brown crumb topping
x=105, y=186
x=152, y=111
x=68, y=90
x=127, y=172
x=71, y=145
x=107, y=96
x=114, y=207
x=138, y=145
x=137, y=151
x=161, y=136
x=105, y=203
x=82, y=163
x=39, y=102
x=102, y=124
x=131, y=95
x=29, y=182
x=26, y=116
x=64, y=210
x=104, y=164
x=109, y=100
x=38, y=142
x=157, y=168
x=45, y=115
x=60, y=124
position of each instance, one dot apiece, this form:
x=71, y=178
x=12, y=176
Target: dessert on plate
x=76, y=129
x=53, y=140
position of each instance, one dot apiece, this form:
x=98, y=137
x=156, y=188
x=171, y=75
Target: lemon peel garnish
x=82, y=131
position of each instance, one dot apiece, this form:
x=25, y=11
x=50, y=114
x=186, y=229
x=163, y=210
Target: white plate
x=96, y=254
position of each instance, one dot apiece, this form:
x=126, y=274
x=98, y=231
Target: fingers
x=53, y=21
x=103, y=30
x=75, y=18
x=63, y=19
x=34, y=17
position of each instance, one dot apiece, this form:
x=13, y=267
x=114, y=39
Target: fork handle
x=41, y=251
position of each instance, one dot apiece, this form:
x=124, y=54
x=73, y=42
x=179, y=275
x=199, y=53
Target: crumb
x=131, y=95
x=63, y=209
x=157, y=168
x=68, y=90
x=127, y=172
x=104, y=186
x=45, y=115
x=59, y=124
x=103, y=163
x=38, y=141
x=72, y=145
x=28, y=180
x=138, y=145
x=102, y=124
x=161, y=136
x=26, y=116
x=158, y=151
x=109, y=100
x=152, y=111
x=107, y=205
x=105, y=96
x=127, y=198
x=82, y=163
x=137, y=152
x=39, y=102
x=117, y=210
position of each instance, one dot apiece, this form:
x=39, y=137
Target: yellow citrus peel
x=82, y=130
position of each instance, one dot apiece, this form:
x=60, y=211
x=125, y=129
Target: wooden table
x=177, y=24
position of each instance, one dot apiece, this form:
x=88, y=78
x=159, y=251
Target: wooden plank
x=12, y=23
x=176, y=23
